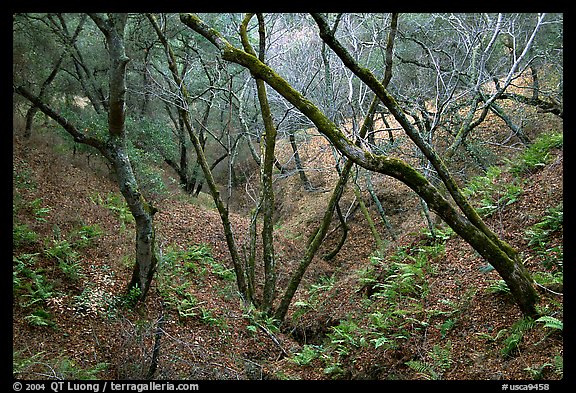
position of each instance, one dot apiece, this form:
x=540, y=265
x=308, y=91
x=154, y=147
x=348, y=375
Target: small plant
x=345, y=336
x=22, y=235
x=71, y=269
x=446, y=326
x=131, y=298
x=207, y=317
x=40, y=317
x=557, y=366
x=93, y=300
x=551, y=322
x=314, y=291
x=30, y=280
x=539, y=235
x=333, y=369
x=67, y=369
x=23, y=179
x=22, y=266
x=442, y=356
x=21, y=363
x=516, y=334
x=538, y=154
x=38, y=210
x=424, y=370
x=402, y=279
x=86, y=235
x=441, y=361
x=117, y=204
x=66, y=256
x=60, y=250
x=306, y=355
x=259, y=320
x=491, y=193
x=498, y=286
x=222, y=272
x=186, y=306
x=440, y=235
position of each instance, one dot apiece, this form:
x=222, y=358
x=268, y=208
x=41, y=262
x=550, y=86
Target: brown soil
x=224, y=343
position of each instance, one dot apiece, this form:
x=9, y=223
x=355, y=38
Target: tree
x=265, y=203
x=113, y=146
x=464, y=220
x=183, y=105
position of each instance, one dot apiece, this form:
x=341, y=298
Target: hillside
x=426, y=309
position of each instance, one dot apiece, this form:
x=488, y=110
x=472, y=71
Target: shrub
x=538, y=154
x=22, y=235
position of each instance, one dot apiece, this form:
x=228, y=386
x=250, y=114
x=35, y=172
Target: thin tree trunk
x=222, y=210
x=330, y=255
x=84, y=75
x=33, y=109
x=298, y=162
x=379, y=206
x=366, y=213
x=267, y=192
x=314, y=245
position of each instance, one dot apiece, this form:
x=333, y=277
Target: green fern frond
x=423, y=369
x=551, y=322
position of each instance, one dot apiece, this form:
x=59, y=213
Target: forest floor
x=72, y=320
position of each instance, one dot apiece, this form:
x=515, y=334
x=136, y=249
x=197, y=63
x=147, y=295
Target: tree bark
x=143, y=212
x=267, y=191
x=113, y=28
x=299, y=168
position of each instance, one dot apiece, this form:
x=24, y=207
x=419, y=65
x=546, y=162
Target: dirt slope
x=220, y=340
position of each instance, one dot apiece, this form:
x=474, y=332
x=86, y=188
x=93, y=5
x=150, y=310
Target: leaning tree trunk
x=500, y=254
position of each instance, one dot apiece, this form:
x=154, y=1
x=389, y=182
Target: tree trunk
x=268, y=158
x=143, y=212
x=113, y=29
x=201, y=158
x=330, y=255
x=314, y=245
x=366, y=213
x=298, y=162
x=379, y=206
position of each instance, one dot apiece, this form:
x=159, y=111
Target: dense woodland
x=288, y=196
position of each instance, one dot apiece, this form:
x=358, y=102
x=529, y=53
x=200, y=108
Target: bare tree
x=465, y=222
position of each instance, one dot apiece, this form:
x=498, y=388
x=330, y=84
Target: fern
x=551, y=322
x=517, y=330
x=442, y=356
x=425, y=370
